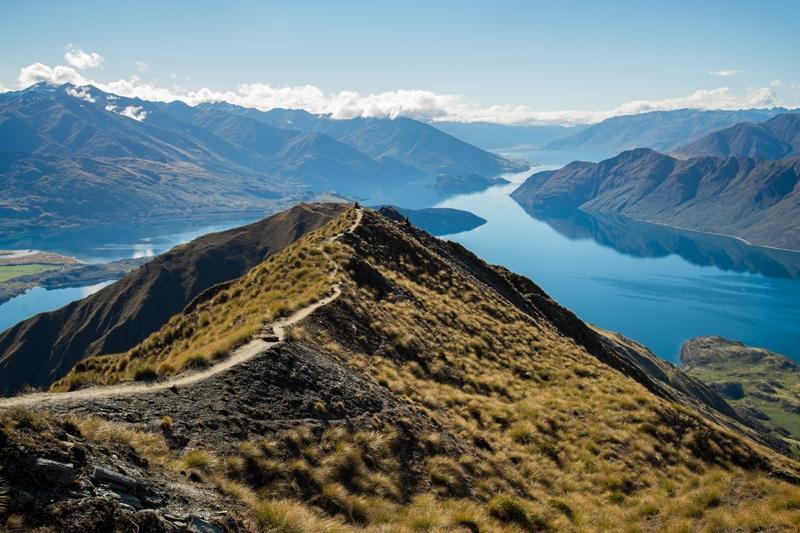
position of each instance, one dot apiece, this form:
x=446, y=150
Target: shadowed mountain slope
x=43, y=348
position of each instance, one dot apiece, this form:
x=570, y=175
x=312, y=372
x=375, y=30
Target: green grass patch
x=8, y=272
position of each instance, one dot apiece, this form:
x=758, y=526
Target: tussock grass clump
x=512, y=511
x=287, y=516
x=113, y=434
x=166, y=424
x=4, y=496
x=200, y=460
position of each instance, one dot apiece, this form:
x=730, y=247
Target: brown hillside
x=41, y=349
x=436, y=393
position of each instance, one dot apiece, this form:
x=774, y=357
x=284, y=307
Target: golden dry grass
x=282, y=284
x=554, y=439
x=577, y=444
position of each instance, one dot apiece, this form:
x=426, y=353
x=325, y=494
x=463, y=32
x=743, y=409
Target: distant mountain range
x=75, y=155
x=491, y=136
x=402, y=139
x=659, y=130
x=776, y=138
x=757, y=200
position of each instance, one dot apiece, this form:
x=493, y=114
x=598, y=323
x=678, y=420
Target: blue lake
x=96, y=246
x=38, y=300
x=656, y=285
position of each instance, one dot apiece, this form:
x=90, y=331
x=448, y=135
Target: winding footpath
x=242, y=354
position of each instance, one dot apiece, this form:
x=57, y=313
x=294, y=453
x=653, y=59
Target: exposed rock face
x=756, y=200
x=42, y=349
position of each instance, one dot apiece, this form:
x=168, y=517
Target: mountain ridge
x=436, y=390
x=46, y=346
x=757, y=201
x=658, y=130
x=775, y=138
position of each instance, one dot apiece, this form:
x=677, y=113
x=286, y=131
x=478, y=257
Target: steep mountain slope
x=403, y=139
x=756, y=381
x=314, y=160
x=659, y=130
x=776, y=138
x=435, y=392
x=756, y=200
x=41, y=349
x=76, y=155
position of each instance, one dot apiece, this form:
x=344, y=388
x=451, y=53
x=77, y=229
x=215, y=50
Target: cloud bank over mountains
x=420, y=104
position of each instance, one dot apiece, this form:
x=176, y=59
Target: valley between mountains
x=347, y=371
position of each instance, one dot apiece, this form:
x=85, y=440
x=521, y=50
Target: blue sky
x=506, y=60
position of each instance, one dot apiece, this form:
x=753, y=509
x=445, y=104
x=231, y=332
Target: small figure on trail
x=408, y=222
x=356, y=206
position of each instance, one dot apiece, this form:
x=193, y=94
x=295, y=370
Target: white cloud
x=79, y=59
x=3, y=88
x=420, y=104
x=82, y=93
x=725, y=73
x=142, y=66
x=775, y=83
x=134, y=112
x=58, y=75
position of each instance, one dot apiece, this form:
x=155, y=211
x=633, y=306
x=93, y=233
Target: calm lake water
x=656, y=285
x=38, y=300
x=95, y=246
x=653, y=284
